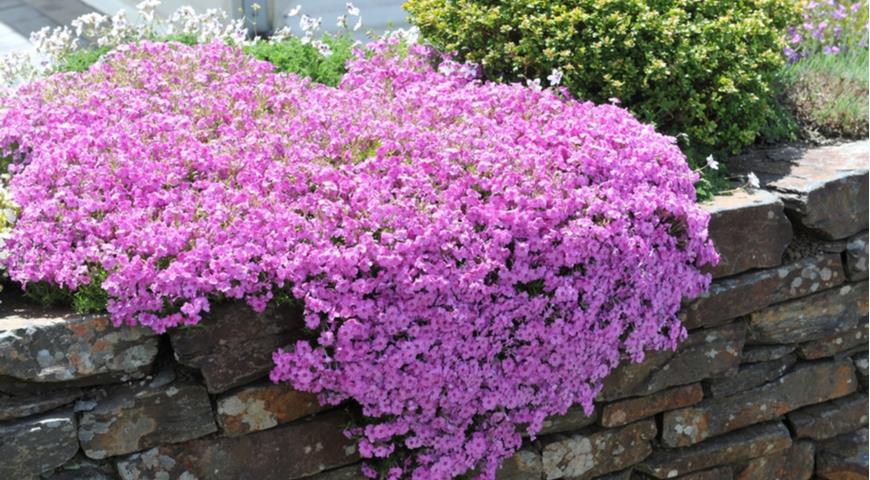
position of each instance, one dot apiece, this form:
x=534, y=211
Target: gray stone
x=742, y=445
x=824, y=189
x=765, y=353
x=827, y=420
x=523, y=465
x=843, y=457
x=861, y=363
x=794, y=463
x=261, y=406
x=856, y=257
x=810, y=318
x=710, y=418
x=704, y=354
x=834, y=344
x=623, y=412
x=352, y=472
x=718, y=473
x=17, y=407
x=740, y=295
x=574, y=419
x=36, y=445
x=233, y=345
x=57, y=350
x=130, y=419
x=749, y=376
x=586, y=456
x=286, y=452
x=749, y=230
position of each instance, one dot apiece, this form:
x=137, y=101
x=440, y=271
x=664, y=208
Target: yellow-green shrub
x=702, y=68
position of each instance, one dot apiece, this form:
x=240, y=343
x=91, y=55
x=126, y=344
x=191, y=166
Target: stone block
x=574, y=419
x=856, y=257
x=233, y=345
x=824, y=189
x=827, y=420
x=523, y=465
x=585, y=456
x=739, y=446
x=133, y=418
x=710, y=418
x=810, y=318
x=287, y=452
x=17, y=407
x=843, y=457
x=749, y=229
x=54, y=349
x=834, y=344
x=262, y=406
x=627, y=411
x=794, y=463
x=749, y=376
x=733, y=297
x=35, y=445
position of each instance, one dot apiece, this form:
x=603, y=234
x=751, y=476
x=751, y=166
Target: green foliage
x=304, y=59
x=828, y=94
x=81, y=60
x=89, y=298
x=703, y=68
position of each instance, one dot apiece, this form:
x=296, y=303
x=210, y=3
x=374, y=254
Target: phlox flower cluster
x=829, y=27
x=473, y=257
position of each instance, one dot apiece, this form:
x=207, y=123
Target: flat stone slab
x=856, y=257
x=523, y=465
x=742, y=445
x=824, y=189
x=704, y=354
x=794, y=463
x=574, y=419
x=827, y=420
x=749, y=376
x=732, y=297
x=233, y=345
x=810, y=318
x=262, y=406
x=630, y=410
x=691, y=425
x=130, y=419
x=18, y=407
x=296, y=450
x=59, y=348
x=749, y=229
x=36, y=445
x=843, y=457
x=587, y=456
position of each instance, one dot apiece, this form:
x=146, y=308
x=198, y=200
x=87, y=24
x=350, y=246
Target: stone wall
x=770, y=384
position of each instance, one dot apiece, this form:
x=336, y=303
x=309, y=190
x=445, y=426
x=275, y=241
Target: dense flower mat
x=472, y=257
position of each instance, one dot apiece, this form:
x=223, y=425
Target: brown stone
x=56, y=349
x=810, y=318
x=130, y=419
x=827, y=420
x=523, y=465
x=352, y=472
x=286, y=452
x=574, y=419
x=765, y=353
x=626, y=474
x=742, y=445
x=17, y=407
x=586, y=456
x=795, y=463
x=714, y=417
x=719, y=473
x=36, y=445
x=861, y=364
x=262, y=406
x=838, y=343
x=740, y=295
x=843, y=457
x=749, y=229
x=824, y=189
x=627, y=411
x=705, y=353
x=856, y=257
x=234, y=345
x=749, y=376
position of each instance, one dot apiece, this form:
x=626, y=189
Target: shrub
x=305, y=59
x=473, y=257
x=697, y=67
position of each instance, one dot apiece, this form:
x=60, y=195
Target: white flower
x=555, y=77
x=322, y=48
x=341, y=21
x=293, y=11
x=358, y=24
x=712, y=163
x=147, y=9
x=309, y=24
x=255, y=7
x=752, y=181
x=352, y=9
x=534, y=84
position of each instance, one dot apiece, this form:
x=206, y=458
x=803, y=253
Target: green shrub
x=703, y=68
x=291, y=55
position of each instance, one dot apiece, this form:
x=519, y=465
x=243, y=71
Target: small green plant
x=81, y=60
x=304, y=59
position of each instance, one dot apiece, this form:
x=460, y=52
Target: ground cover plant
x=701, y=70
x=825, y=85
x=472, y=257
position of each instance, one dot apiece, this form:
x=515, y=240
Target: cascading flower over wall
x=472, y=257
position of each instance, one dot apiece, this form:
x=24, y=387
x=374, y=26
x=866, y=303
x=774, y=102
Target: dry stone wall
x=770, y=384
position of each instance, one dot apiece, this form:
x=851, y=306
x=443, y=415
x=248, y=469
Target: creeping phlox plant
x=829, y=27
x=472, y=257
